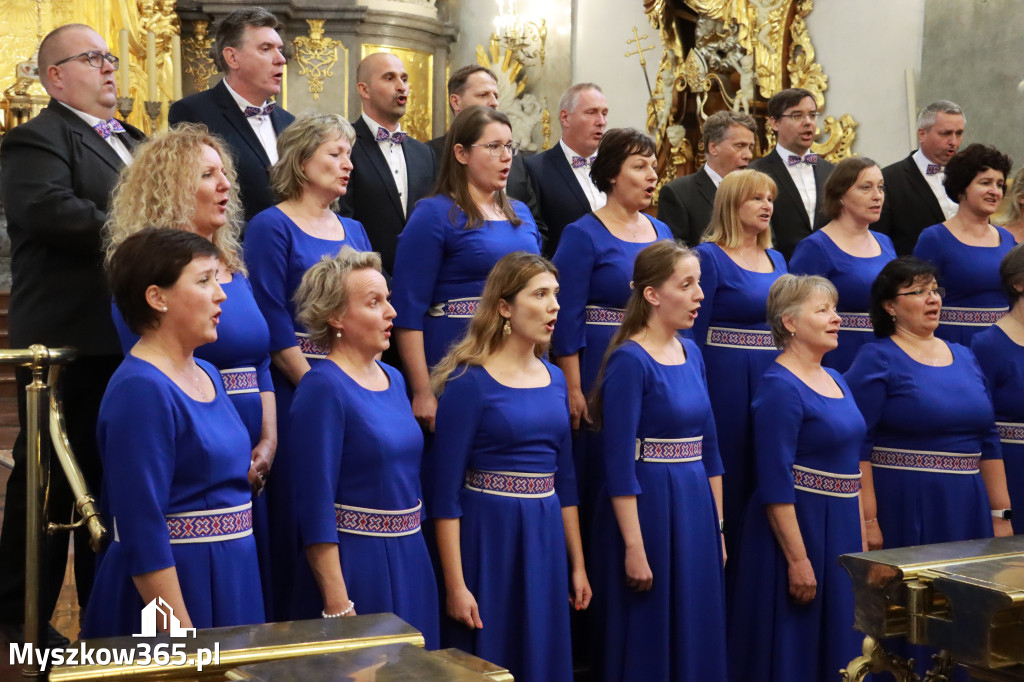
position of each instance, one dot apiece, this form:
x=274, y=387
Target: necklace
x=745, y=261
x=194, y=380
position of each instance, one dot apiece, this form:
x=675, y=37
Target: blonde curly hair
x=158, y=189
x=324, y=291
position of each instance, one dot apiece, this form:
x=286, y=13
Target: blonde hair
x=787, y=294
x=323, y=291
x=158, y=189
x=725, y=228
x=484, y=336
x=297, y=144
x=1009, y=212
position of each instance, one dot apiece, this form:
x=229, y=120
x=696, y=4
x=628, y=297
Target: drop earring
x=506, y=330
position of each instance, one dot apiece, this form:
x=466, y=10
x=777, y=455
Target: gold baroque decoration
x=195, y=53
x=523, y=111
x=316, y=56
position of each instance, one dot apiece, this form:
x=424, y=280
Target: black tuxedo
x=218, y=111
x=372, y=196
x=518, y=186
x=909, y=207
x=789, y=219
x=561, y=198
x=56, y=175
x=685, y=204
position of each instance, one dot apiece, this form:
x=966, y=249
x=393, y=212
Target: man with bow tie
x=561, y=175
x=799, y=174
x=391, y=171
x=239, y=109
x=915, y=197
x=56, y=174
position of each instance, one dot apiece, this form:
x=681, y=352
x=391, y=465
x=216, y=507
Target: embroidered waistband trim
x=455, y=308
x=510, y=484
x=1010, y=432
x=240, y=380
x=310, y=348
x=377, y=522
x=740, y=338
x=606, y=316
x=971, y=317
x=668, y=450
x=857, y=322
x=214, y=525
x=826, y=483
x=926, y=460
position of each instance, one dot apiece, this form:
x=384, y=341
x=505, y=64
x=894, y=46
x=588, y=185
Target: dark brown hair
x=902, y=272
x=784, y=99
x=231, y=28
x=968, y=163
x=839, y=182
x=617, y=145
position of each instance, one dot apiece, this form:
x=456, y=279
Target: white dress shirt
x=115, y=142
x=595, y=196
x=261, y=125
x=715, y=177
x=948, y=206
x=803, y=178
x=395, y=157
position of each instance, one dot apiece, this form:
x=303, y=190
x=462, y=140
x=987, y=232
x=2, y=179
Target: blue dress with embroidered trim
x=774, y=637
x=165, y=453
x=242, y=341
x=1002, y=362
x=360, y=448
x=439, y=260
x=734, y=298
x=852, y=276
x=675, y=631
x=970, y=275
x=513, y=548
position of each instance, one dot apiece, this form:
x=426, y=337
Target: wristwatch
x=721, y=525
x=1005, y=514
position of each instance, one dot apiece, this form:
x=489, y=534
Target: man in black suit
x=56, y=174
x=561, y=175
x=391, y=171
x=915, y=197
x=248, y=50
x=475, y=84
x=799, y=175
x=685, y=203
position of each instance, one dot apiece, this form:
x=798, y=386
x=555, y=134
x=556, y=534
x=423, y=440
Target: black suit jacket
x=789, y=219
x=685, y=204
x=909, y=207
x=218, y=111
x=518, y=187
x=372, y=196
x=56, y=175
x=559, y=194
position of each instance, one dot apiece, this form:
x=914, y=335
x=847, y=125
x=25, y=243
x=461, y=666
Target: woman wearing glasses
x=450, y=244
x=967, y=248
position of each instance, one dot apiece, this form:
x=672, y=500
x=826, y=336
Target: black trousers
x=82, y=385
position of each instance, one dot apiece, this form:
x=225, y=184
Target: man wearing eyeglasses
x=56, y=174
x=798, y=174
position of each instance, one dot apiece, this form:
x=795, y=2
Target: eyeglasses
x=798, y=116
x=496, y=148
x=95, y=59
x=938, y=291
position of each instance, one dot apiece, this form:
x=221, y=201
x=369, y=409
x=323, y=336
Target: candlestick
x=125, y=68
x=154, y=96
x=153, y=110
x=125, y=106
x=176, y=58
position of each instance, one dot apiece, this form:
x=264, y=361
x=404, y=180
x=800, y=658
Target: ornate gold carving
x=418, y=119
x=874, y=658
x=195, y=52
x=317, y=56
x=524, y=110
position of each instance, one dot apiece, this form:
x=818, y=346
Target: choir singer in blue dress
x=354, y=455
x=504, y=501
x=176, y=455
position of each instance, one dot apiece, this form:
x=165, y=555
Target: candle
x=153, y=95
x=125, y=71
x=176, y=57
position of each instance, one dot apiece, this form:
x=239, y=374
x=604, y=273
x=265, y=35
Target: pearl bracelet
x=351, y=605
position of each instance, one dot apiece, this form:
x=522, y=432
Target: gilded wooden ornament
x=316, y=56
x=195, y=52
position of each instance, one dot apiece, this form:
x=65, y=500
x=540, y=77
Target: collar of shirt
x=88, y=118
x=715, y=177
x=923, y=162
x=569, y=153
x=374, y=126
x=785, y=154
x=118, y=145
x=241, y=101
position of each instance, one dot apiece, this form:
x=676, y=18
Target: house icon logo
x=159, y=609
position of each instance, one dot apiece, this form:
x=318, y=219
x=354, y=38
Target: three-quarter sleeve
x=355, y=234
x=711, y=456
x=529, y=223
x=709, y=285
x=929, y=249
x=778, y=414
x=418, y=260
x=868, y=378
x=574, y=259
x=267, y=245
x=991, y=448
x=455, y=429
x=622, y=392
x=565, y=474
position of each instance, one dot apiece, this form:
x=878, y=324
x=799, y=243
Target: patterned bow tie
x=260, y=111
x=933, y=169
x=809, y=159
x=397, y=137
x=581, y=161
x=107, y=128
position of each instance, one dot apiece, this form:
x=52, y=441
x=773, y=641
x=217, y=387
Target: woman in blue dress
x=185, y=179
x=504, y=499
x=175, y=453
x=737, y=269
x=967, y=249
x=450, y=244
x=847, y=252
x=657, y=554
x=281, y=243
x=1000, y=353
x=354, y=458
x=792, y=611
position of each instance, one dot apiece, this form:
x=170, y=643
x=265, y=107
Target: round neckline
x=918, y=362
x=490, y=376
x=881, y=251
x=310, y=236
x=359, y=385
x=626, y=241
x=179, y=388
x=774, y=270
x=809, y=388
x=974, y=246
x=686, y=356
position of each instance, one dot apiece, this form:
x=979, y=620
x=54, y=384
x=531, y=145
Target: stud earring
x=164, y=309
x=338, y=334
x=507, y=328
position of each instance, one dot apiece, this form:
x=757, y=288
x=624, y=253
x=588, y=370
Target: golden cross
x=640, y=51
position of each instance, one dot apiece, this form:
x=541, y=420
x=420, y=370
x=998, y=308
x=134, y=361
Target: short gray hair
x=926, y=119
x=787, y=294
x=297, y=144
x=718, y=124
x=571, y=97
x=323, y=291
